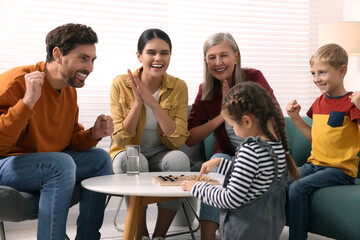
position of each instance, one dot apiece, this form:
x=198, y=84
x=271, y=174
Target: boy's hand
x=187, y=185
x=355, y=99
x=293, y=109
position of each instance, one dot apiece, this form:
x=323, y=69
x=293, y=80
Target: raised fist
x=33, y=82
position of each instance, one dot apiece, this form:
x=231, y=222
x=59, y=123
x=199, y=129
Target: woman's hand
x=131, y=119
x=187, y=185
x=142, y=91
x=134, y=87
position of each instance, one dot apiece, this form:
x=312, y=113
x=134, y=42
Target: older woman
x=222, y=70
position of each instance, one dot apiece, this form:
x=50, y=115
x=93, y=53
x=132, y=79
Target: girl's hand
x=208, y=166
x=187, y=185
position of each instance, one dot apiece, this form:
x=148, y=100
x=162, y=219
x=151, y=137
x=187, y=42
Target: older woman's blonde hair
x=209, y=80
x=331, y=54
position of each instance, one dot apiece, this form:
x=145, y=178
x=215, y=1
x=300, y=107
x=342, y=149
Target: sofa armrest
x=300, y=147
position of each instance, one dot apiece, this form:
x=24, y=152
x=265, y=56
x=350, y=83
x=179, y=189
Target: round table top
x=140, y=185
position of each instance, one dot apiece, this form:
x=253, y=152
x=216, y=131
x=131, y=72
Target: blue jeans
x=54, y=174
x=312, y=177
x=208, y=212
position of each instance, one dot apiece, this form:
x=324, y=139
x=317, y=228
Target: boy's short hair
x=67, y=37
x=331, y=54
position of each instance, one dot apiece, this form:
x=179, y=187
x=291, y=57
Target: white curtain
x=276, y=37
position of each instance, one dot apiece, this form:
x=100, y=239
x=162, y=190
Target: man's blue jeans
x=312, y=177
x=54, y=174
x=208, y=212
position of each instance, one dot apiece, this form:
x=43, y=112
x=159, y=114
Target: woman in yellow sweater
x=149, y=108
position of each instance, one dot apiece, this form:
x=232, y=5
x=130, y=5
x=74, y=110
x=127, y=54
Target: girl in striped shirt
x=252, y=199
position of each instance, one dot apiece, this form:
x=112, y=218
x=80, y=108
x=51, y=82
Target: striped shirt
x=252, y=176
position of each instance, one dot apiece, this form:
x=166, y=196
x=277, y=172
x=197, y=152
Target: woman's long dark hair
x=152, y=33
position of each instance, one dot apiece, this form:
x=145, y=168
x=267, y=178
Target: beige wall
x=337, y=11
x=351, y=9
x=330, y=11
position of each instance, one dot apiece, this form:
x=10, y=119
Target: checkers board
x=170, y=180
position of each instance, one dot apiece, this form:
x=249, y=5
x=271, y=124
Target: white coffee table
x=142, y=191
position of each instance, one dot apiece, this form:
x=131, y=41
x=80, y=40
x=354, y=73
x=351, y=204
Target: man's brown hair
x=67, y=37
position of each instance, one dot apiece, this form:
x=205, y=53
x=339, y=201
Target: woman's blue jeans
x=312, y=177
x=208, y=212
x=54, y=174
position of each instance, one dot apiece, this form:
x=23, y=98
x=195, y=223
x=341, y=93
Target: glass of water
x=132, y=156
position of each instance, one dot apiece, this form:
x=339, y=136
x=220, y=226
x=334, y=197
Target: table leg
x=141, y=220
x=132, y=218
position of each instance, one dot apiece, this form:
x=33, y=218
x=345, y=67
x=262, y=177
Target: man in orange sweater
x=42, y=145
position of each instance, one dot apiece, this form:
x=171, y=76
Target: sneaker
x=145, y=238
x=158, y=238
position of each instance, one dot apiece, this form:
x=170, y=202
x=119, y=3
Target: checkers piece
x=170, y=180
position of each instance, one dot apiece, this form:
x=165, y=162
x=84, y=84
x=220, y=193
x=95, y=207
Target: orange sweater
x=51, y=126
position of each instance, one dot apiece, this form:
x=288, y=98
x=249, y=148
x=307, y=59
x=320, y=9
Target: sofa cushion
x=209, y=143
x=18, y=206
x=196, y=155
x=297, y=142
x=335, y=210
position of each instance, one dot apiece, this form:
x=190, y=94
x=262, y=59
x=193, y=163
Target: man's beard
x=72, y=83
x=71, y=80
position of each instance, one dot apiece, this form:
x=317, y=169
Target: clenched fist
x=33, y=83
x=103, y=127
x=293, y=109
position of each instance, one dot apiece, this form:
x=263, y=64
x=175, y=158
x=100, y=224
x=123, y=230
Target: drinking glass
x=132, y=157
